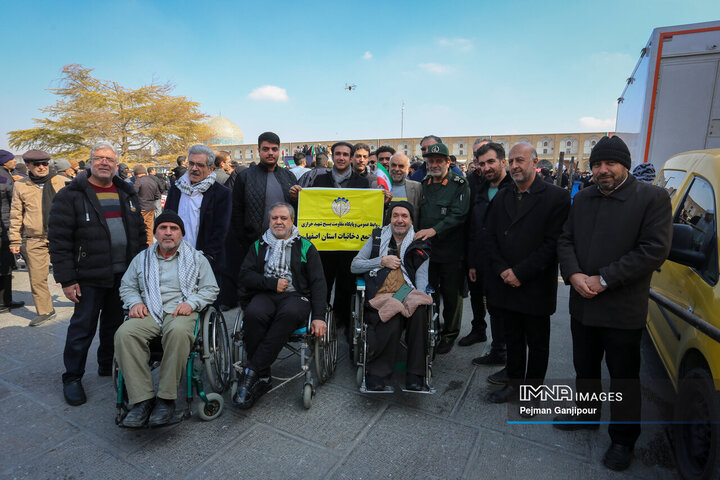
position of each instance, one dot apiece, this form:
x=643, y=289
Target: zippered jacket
x=79, y=235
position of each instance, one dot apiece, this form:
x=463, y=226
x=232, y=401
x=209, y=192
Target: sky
x=464, y=68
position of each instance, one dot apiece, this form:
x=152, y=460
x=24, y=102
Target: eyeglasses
x=197, y=165
x=43, y=163
x=103, y=159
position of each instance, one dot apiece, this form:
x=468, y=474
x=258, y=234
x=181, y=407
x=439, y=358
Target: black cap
x=168, y=216
x=404, y=204
x=611, y=148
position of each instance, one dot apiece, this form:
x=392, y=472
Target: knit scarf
x=339, y=178
x=385, y=236
x=276, y=264
x=48, y=193
x=188, y=270
x=187, y=188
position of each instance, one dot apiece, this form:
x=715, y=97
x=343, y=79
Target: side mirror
x=681, y=250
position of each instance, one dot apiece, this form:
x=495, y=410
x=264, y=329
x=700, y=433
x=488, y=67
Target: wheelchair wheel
x=359, y=376
x=238, y=350
x=212, y=409
x=326, y=350
x=307, y=396
x=216, y=350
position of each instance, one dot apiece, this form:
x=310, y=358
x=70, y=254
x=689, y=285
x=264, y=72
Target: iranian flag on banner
x=383, y=177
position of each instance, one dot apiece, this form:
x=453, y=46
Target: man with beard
x=29, y=216
x=522, y=227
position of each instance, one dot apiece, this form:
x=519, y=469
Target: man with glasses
x=29, y=215
x=204, y=206
x=95, y=229
x=445, y=206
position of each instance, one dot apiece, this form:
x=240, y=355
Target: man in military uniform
x=445, y=206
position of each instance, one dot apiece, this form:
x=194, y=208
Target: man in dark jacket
x=523, y=224
x=7, y=259
x=491, y=161
x=336, y=264
x=618, y=232
x=148, y=193
x=181, y=168
x=280, y=272
x=254, y=191
x=204, y=206
x=162, y=186
x=95, y=230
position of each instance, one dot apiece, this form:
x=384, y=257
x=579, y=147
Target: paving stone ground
x=452, y=434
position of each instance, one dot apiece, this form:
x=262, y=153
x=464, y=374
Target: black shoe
x=503, y=395
x=472, y=338
x=4, y=309
x=40, y=319
x=562, y=422
x=104, y=371
x=444, y=347
x=138, y=416
x=618, y=457
x=413, y=382
x=74, y=393
x=492, y=358
x=15, y=304
x=498, y=378
x=374, y=383
x=162, y=413
x=251, y=388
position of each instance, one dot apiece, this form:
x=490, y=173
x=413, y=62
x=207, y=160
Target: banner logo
x=341, y=206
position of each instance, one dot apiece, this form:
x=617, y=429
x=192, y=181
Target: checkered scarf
x=276, y=263
x=188, y=270
x=183, y=183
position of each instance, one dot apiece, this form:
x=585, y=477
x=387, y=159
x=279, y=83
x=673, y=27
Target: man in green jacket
x=445, y=207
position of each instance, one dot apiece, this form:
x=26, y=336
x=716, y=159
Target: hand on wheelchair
x=282, y=284
x=318, y=328
x=390, y=261
x=182, y=309
x=139, y=310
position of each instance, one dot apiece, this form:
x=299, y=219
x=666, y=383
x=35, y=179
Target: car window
x=698, y=210
x=670, y=180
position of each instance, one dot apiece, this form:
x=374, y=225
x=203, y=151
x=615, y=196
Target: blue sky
x=462, y=68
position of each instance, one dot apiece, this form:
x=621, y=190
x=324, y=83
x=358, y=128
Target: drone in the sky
x=350, y=87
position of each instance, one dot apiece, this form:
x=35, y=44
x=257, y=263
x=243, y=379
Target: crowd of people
x=228, y=236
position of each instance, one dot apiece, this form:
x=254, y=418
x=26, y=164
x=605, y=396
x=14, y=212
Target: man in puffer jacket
x=95, y=230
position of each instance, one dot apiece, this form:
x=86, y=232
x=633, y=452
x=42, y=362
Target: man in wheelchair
x=281, y=283
x=396, y=277
x=165, y=287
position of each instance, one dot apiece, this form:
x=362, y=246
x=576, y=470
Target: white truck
x=671, y=102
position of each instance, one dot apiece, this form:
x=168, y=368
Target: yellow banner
x=339, y=219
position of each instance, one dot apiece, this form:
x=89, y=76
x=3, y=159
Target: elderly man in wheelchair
x=396, y=281
x=165, y=287
x=281, y=285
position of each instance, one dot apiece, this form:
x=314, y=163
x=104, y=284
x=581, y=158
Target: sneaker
x=472, y=338
x=40, y=319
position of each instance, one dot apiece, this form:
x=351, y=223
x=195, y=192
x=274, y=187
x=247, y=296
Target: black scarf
x=47, y=195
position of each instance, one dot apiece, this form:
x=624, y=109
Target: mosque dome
x=224, y=132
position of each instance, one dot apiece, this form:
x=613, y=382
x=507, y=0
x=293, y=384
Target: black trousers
x=228, y=273
x=384, y=340
x=96, y=304
x=336, y=267
x=270, y=318
x=477, y=302
x=7, y=261
x=448, y=278
x=528, y=346
x=497, y=329
x=621, y=349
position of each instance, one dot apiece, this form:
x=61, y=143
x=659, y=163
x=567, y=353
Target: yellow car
x=684, y=313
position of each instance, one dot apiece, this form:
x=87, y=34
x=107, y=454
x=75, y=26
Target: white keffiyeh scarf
x=183, y=183
x=188, y=270
x=276, y=263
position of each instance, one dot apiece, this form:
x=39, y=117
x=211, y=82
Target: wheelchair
x=322, y=353
x=210, y=354
x=359, y=341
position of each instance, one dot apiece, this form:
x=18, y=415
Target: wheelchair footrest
x=388, y=389
x=424, y=391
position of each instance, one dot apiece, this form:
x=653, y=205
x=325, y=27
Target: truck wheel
x=696, y=433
